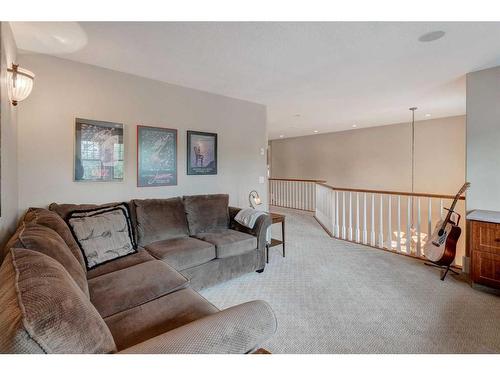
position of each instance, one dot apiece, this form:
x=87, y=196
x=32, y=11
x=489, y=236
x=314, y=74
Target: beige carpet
x=332, y=296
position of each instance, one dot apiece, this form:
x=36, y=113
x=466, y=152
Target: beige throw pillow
x=103, y=235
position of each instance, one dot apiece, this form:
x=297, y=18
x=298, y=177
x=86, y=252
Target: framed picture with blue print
x=156, y=156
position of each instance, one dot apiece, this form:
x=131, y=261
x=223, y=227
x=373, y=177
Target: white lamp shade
x=20, y=84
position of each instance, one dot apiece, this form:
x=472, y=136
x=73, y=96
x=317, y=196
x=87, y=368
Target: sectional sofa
x=53, y=301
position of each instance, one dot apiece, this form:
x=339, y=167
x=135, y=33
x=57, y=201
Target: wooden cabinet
x=484, y=249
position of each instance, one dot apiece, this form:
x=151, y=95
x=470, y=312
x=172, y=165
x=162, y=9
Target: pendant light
x=20, y=83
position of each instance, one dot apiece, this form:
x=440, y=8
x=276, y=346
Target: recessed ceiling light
x=297, y=115
x=281, y=135
x=316, y=131
x=427, y=115
x=432, y=36
x=354, y=125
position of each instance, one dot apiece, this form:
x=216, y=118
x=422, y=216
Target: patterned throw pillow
x=102, y=234
x=101, y=208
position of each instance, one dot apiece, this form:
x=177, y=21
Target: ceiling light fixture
x=431, y=36
x=281, y=135
x=20, y=83
x=297, y=115
x=316, y=131
x=427, y=115
x=354, y=125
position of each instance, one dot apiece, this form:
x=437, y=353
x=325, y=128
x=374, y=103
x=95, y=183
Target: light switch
x=262, y=180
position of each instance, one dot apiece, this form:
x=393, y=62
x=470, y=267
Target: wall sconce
x=20, y=83
x=254, y=199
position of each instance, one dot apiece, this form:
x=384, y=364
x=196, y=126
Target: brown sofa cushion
x=159, y=219
x=158, y=316
x=64, y=209
x=133, y=286
x=229, y=242
x=44, y=311
x=182, y=253
x=207, y=212
x=53, y=221
x=118, y=264
x=45, y=240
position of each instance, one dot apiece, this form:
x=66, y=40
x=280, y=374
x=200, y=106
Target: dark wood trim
x=376, y=247
x=324, y=228
x=261, y=351
x=291, y=208
x=405, y=193
x=295, y=179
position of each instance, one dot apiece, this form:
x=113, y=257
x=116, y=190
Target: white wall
x=9, y=217
x=65, y=90
x=379, y=157
x=483, y=139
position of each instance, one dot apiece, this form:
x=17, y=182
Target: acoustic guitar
x=442, y=247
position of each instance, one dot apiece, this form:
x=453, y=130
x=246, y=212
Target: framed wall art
x=201, y=153
x=156, y=156
x=99, y=151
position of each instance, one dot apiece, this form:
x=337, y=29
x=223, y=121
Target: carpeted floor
x=332, y=296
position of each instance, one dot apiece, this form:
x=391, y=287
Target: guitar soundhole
x=441, y=232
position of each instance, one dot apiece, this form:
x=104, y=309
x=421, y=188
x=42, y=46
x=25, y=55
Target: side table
x=277, y=218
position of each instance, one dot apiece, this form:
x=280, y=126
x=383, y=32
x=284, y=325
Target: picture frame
x=99, y=151
x=156, y=156
x=201, y=153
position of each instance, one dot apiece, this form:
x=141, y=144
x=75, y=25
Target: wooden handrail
x=295, y=179
x=404, y=193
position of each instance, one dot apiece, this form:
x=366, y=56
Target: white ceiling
x=332, y=74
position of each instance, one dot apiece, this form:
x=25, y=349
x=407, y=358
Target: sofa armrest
x=259, y=231
x=236, y=330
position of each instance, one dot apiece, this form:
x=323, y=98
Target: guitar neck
x=450, y=211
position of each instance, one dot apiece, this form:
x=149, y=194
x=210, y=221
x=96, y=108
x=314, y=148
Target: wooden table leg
x=283, y=236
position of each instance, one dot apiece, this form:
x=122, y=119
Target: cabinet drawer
x=486, y=237
x=486, y=269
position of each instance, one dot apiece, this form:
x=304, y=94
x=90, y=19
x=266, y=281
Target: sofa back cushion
x=55, y=222
x=45, y=240
x=65, y=209
x=159, y=219
x=102, y=234
x=207, y=212
x=44, y=311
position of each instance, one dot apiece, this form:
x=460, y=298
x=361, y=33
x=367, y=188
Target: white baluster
x=429, y=218
x=357, y=217
x=299, y=195
x=389, y=222
x=381, y=223
x=418, y=227
x=306, y=196
x=331, y=194
x=365, y=232
x=282, y=194
x=399, y=223
x=408, y=227
x=350, y=216
x=373, y=221
x=337, y=227
x=343, y=215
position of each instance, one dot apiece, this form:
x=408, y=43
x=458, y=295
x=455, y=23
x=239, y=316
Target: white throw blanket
x=248, y=216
